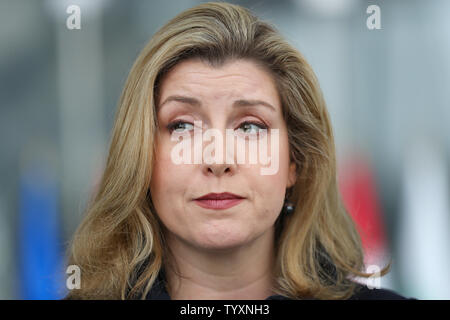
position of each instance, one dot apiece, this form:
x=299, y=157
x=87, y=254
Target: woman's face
x=227, y=97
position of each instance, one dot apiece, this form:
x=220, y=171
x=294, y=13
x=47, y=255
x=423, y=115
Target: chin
x=221, y=241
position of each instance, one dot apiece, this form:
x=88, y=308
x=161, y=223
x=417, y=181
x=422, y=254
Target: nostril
x=219, y=169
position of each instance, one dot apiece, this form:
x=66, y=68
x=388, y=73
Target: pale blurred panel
x=424, y=237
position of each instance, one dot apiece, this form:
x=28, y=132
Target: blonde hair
x=119, y=246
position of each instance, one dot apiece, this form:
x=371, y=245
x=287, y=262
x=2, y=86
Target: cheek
x=279, y=153
x=271, y=188
x=165, y=176
x=270, y=191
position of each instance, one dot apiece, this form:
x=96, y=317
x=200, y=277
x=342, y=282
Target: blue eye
x=179, y=126
x=252, y=128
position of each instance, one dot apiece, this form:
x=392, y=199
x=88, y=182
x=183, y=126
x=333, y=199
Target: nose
x=220, y=169
x=226, y=159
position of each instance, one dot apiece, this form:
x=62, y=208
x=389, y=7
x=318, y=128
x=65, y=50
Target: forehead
x=234, y=79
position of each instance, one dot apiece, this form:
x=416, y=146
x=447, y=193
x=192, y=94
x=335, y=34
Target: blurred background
x=385, y=75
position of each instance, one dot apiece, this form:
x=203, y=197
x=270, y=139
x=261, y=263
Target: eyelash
x=261, y=126
x=172, y=126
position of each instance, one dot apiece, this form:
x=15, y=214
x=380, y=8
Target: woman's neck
x=241, y=273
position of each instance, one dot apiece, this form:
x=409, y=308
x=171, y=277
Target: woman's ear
x=292, y=174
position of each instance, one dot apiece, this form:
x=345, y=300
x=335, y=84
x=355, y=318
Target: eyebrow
x=196, y=103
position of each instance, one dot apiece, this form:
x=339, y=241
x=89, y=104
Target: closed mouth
x=219, y=201
x=220, y=196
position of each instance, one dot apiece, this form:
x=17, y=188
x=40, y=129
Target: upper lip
x=219, y=196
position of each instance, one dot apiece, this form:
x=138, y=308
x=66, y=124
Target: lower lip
x=218, y=204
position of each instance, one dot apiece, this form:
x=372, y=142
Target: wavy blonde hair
x=119, y=246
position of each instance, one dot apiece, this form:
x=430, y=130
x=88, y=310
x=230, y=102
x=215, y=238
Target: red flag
x=358, y=190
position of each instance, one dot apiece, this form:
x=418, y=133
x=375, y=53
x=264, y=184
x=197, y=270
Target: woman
x=159, y=228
